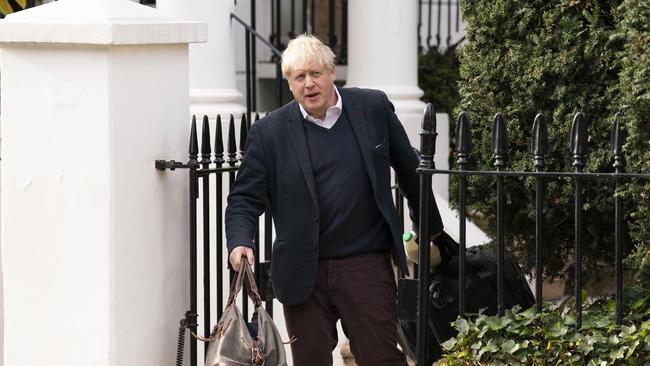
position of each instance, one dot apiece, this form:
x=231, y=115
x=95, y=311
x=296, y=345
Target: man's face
x=313, y=87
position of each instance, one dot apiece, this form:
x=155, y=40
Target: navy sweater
x=350, y=222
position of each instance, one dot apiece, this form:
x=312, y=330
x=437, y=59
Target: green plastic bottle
x=411, y=248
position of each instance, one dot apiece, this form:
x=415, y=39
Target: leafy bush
x=556, y=57
x=550, y=337
x=438, y=76
x=634, y=87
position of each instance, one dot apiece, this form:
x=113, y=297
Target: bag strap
x=245, y=272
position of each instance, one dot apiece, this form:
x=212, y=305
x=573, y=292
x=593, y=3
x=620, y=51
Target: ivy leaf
x=495, y=323
x=616, y=354
x=449, y=344
x=510, y=347
x=462, y=325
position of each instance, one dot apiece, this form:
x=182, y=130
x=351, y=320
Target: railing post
x=500, y=148
x=579, y=150
x=618, y=139
x=219, y=160
x=193, y=181
x=540, y=149
x=448, y=22
x=344, y=32
x=427, y=148
x=304, y=16
x=464, y=143
x=430, y=22
x=292, y=31
x=231, y=161
x=331, y=34
x=206, y=151
x=249, y=80
x=438, y=24
x=419, y=27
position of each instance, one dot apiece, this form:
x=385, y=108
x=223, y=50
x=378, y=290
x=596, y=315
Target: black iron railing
x=440, y=25
x=500, y=148
x=211, y=176
x=251, y=36
x=327, y=19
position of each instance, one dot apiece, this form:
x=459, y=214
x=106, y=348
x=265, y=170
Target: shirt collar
x=337, y=108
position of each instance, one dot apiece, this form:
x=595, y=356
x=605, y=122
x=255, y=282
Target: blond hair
x=304, y=50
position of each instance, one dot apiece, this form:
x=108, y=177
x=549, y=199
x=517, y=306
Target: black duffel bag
x=480, y=292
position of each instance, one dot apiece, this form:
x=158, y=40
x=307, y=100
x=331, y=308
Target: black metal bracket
x=407, y=299
x=191, y=320
x=173, y=165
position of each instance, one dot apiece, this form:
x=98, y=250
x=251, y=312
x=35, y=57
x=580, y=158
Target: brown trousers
x=361, y=292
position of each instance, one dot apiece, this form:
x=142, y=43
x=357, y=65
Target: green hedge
x=634, y=89
x=557, y=57
x=438, y=77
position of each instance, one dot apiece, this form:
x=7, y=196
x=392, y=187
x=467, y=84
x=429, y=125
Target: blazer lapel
x=299, y=141
x=358, y=121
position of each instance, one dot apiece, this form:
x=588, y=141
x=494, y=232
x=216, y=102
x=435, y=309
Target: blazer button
x=316, y=219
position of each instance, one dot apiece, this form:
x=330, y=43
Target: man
x=322, y=162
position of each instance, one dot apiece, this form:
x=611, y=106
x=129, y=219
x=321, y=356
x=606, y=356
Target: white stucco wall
x=93, y=247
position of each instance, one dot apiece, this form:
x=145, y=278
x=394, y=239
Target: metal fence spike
x=218, y=142
x=499, y=140
x=579, y=140
x=463, y=137
x=428, y=137
x=618, y=139
x=540, y=135
x=232, y=143
x=243, y=133
x=206, y=149
x=194, y=142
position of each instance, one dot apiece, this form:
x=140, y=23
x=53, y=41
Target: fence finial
x=206, y=149
x=579, y=140
x=463, y=138
x=232, y=144
x=540, y=139
x=243, y=133
x=218, y=142
x=428, y=137
x=499, y=140
x=194, y=142
x=618, y=139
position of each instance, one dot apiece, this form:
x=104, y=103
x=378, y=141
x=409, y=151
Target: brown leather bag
x=231, y=343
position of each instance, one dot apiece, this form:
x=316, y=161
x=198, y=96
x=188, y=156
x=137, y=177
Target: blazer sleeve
x=248, y=197
x=404, y=162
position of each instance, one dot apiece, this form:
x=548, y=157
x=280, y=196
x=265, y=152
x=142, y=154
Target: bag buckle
x=256, y=357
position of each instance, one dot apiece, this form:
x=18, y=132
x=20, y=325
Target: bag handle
x=245, y=272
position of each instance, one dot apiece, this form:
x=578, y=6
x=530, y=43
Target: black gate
x=211, y=175
x=540, y=145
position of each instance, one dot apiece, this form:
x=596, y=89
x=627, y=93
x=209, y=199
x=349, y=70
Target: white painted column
x=94, y=239
x=383, y=54
x=213, y=84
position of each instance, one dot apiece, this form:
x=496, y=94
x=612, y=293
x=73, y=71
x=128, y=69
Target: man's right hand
x=236, y=255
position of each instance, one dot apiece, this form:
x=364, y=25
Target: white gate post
x=94, y=239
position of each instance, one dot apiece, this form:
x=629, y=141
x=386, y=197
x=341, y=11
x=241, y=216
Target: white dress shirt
x=331, y=115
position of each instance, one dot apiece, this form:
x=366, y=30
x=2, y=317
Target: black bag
x=480, y=292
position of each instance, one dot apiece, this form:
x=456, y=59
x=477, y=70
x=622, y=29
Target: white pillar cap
x=101, y=22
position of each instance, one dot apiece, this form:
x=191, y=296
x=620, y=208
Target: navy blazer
x=276, y=169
